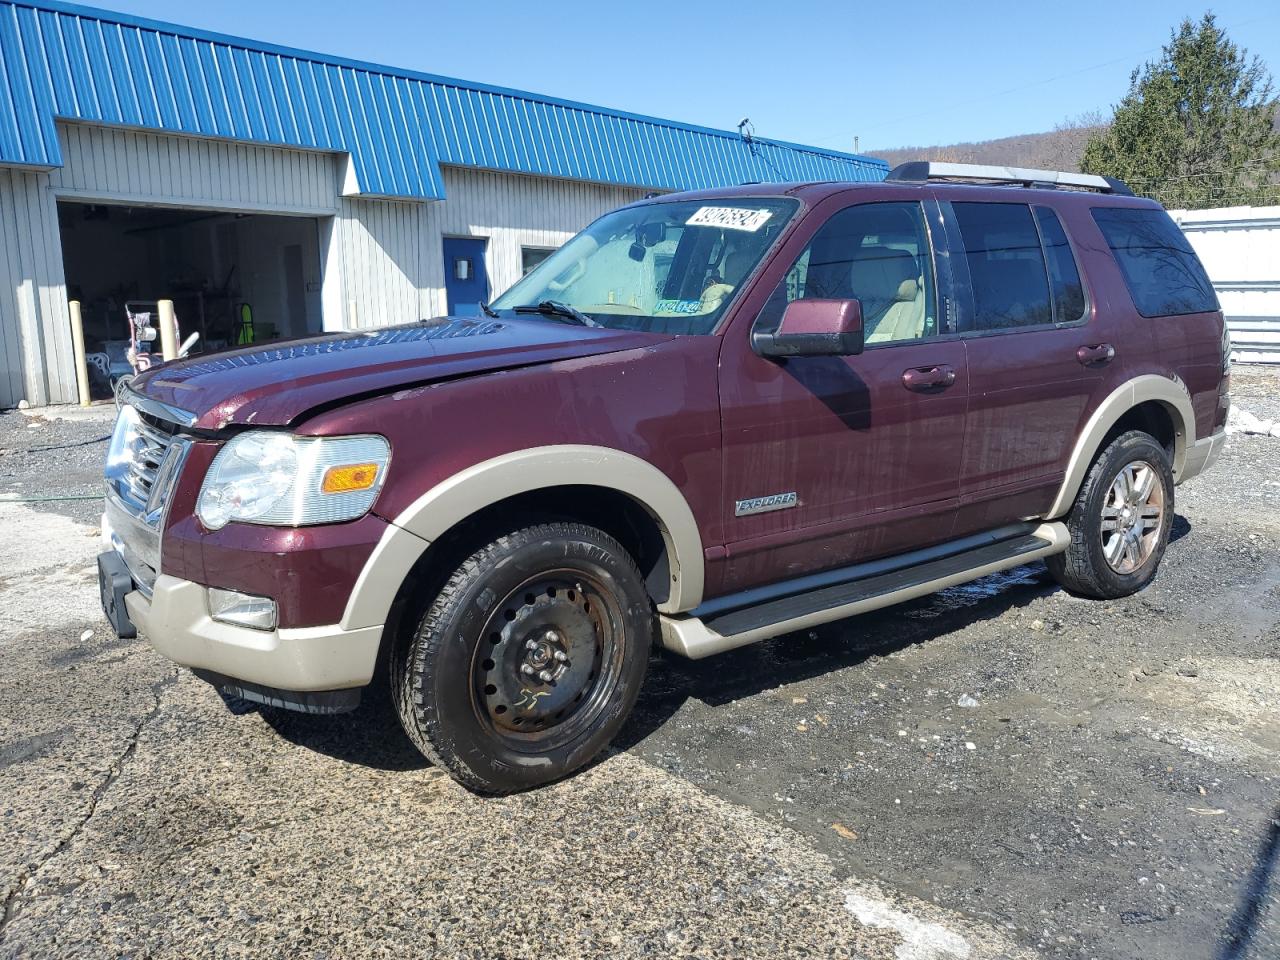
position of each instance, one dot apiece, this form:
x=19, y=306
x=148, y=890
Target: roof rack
x=925, y=171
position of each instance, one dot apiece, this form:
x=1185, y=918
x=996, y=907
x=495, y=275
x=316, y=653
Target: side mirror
x=814, y=328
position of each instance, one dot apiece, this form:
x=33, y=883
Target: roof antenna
x=745, y=130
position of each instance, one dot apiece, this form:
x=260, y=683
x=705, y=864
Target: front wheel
x=1120, y=521
x=527, y=662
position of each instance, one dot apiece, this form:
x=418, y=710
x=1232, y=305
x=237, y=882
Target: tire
x=529, y=659
x=1117, y=554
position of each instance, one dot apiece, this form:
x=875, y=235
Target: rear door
x=1032, y=356
x=832, y=460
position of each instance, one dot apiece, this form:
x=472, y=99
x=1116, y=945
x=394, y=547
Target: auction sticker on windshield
x=732, y=218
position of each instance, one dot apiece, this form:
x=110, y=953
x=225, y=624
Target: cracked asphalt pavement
x=997, y=771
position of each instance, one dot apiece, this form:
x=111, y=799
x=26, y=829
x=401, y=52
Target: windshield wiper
x=554, y=308
x=488, y=311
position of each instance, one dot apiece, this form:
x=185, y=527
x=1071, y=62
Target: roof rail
x=924, y=171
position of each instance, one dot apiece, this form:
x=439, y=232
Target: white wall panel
x=35, y=336
x=1240, y=250
x=130, y=166
x=376, y=245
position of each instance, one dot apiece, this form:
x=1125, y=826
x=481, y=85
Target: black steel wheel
x=553, y=654
x=529, y=659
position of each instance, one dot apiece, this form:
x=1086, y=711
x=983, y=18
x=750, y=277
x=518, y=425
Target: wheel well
x=1151, y=417
x=617, y=514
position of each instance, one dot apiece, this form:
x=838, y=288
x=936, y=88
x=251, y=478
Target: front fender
x=465, y=493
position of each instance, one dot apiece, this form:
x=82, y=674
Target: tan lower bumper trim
x=1201, y=455
x=176, y=620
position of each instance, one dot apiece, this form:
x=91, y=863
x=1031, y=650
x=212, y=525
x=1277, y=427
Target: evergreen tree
x=1196, y=128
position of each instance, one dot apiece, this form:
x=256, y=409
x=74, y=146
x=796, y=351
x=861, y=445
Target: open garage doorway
x=234, y=278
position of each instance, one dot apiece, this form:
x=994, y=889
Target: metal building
x=293, y=192
x=1240, y=249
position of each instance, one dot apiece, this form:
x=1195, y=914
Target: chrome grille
x=146, y=455
x=141, y=461
x=149, y=451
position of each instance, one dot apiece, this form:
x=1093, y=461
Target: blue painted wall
x=60, y=60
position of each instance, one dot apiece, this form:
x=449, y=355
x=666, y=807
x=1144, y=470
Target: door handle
x=929, y=378
x=1096, y=354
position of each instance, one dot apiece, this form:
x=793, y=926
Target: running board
x=720, y=629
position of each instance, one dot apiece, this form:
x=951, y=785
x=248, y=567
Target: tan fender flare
x=1171, y=394
x=453, y=500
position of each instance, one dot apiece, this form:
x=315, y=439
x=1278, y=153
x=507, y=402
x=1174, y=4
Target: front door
x=466, y=281
x=862, y=454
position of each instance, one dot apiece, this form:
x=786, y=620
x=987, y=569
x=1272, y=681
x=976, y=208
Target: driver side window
x=876, y=253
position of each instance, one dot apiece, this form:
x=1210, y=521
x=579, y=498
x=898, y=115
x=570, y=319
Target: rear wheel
x=1120, y=521
x=529, y=659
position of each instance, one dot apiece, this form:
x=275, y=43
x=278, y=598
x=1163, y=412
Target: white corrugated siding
x=129, y=166
x=1240, y=249
x=35, y=339
x=376, y=248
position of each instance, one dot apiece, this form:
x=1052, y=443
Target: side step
x=719, y=626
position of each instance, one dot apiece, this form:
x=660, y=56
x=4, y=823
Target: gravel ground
x=997, y=771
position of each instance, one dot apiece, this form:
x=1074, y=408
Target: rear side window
x=1161, y=270
x=1064, y=275
x=1006, y=265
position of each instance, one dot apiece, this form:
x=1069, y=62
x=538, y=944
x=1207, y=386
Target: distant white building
x=1240, y=247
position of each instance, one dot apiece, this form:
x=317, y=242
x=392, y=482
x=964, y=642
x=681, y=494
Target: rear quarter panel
x=1187, y=348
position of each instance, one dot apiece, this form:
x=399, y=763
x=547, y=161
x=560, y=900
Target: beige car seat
x=889, y=286
x=733, y=270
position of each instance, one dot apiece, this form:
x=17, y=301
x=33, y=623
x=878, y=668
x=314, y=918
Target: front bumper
x=1202, y=455
x=177, y=622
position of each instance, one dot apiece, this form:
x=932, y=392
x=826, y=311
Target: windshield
x=661, y=267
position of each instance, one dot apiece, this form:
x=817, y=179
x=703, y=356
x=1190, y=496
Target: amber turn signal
x=349, y=478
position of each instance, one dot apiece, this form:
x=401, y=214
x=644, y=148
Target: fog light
x=243, y=610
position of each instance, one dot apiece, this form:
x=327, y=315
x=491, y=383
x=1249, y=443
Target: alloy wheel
x=1132, y=516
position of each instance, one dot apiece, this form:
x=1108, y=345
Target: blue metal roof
x=61, y=60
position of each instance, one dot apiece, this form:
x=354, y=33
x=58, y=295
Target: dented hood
x=280, y=383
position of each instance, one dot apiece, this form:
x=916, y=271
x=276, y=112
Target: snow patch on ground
x=920, y=940
x=1242, y=421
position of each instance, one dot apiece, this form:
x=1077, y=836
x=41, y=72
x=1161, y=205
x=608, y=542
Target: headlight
x=288, y=481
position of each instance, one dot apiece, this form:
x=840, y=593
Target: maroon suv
x=708, y=419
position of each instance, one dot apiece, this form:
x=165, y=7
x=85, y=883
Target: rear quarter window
x=1064, y=274
x=1162, y=272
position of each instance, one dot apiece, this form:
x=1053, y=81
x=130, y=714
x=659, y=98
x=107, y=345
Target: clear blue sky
x=894, y=74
